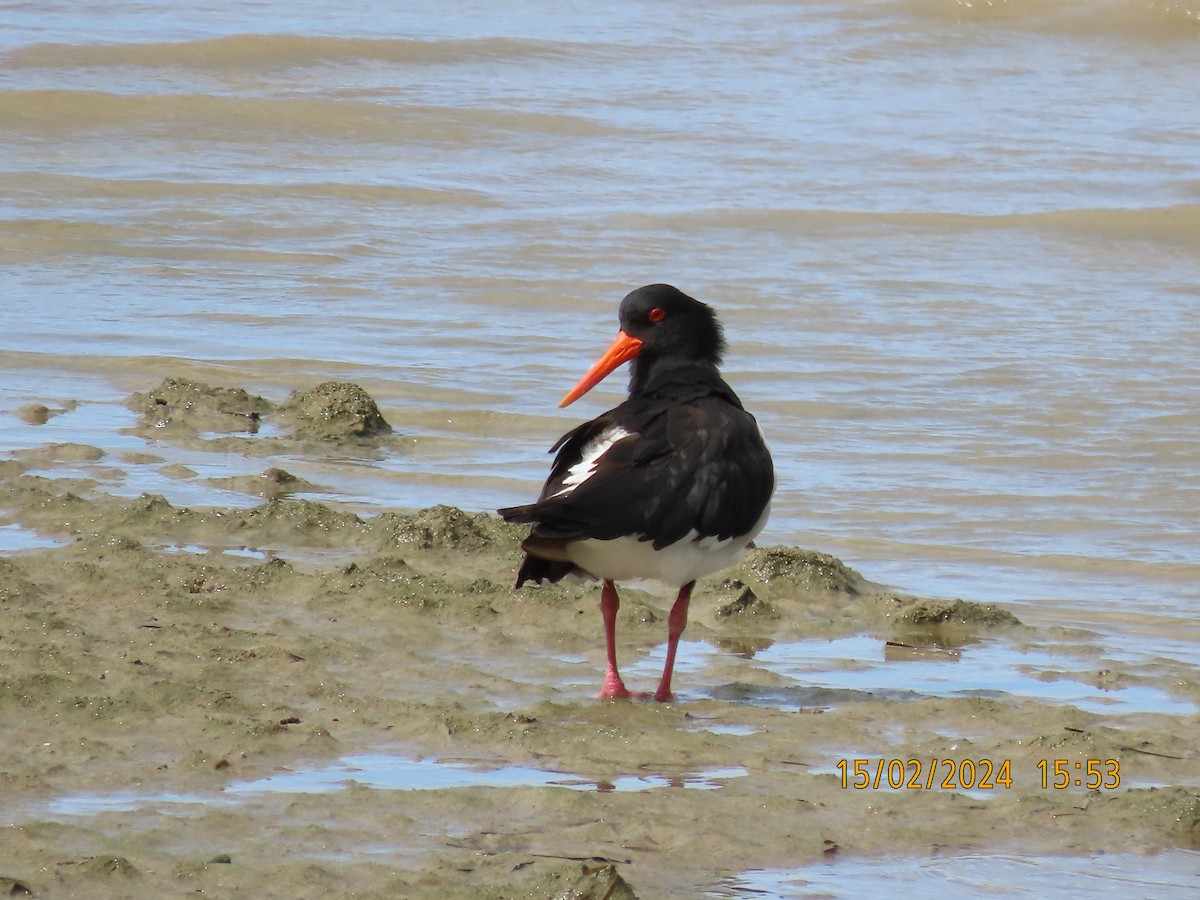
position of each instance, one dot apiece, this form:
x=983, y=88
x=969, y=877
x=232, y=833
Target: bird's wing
x=699, y=466
x=721, y=473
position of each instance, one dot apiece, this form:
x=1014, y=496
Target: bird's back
x=682, y=461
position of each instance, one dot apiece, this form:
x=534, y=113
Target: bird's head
x=658, y=321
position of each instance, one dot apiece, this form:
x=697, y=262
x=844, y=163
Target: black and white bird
x=671, y=485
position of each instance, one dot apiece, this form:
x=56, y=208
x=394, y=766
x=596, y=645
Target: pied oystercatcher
x=671, y=485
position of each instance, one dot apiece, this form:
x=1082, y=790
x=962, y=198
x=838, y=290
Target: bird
x=671, y=485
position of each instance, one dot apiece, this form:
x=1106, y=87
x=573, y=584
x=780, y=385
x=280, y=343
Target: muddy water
x=954, y=245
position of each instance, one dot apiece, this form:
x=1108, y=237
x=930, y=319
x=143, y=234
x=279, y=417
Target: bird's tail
x=544, y=571
x=518, y=514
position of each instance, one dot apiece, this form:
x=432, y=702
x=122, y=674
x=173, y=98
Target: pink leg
x=609, y=604
x=676, y=622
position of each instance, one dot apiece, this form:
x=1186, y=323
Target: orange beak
x=623, y=349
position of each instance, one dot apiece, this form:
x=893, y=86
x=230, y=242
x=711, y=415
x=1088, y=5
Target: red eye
x=657, y=314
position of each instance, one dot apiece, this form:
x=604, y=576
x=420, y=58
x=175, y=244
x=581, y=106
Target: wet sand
x=164, y=655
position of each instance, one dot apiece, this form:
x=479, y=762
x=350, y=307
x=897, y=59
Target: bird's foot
x=614, y=688
x=620, y=692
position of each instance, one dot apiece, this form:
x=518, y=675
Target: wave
x=26, y=241
x=250, y=51
x=1177, y=224
x=79, y=186
x=52, y=113
x=1114, y=18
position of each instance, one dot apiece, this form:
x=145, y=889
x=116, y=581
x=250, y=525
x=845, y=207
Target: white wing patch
x=586, y=467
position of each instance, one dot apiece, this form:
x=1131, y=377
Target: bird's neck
x=650, y=374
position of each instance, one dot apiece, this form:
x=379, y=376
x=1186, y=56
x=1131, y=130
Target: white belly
x=627, y=558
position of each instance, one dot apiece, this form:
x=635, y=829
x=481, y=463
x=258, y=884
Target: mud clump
x=191, y=412
x=590, y=881
x=314, y=524
x=40, y=414
x=964, y=613
x=10, y=887
x=334, y=410
x=195, y=406
x=804, y=569
x=109, y=867
x=746, y=604
x=34, y=414
x=448, y=527
x=273, y=483
x=52, y=454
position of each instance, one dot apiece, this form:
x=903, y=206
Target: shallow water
x=956, y=247
x=382, y=771
x=825, y=673
x=1168, y=874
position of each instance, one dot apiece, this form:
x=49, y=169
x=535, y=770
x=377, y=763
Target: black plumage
x=680, y=466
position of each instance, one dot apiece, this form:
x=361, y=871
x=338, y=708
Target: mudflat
x=267, y=701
